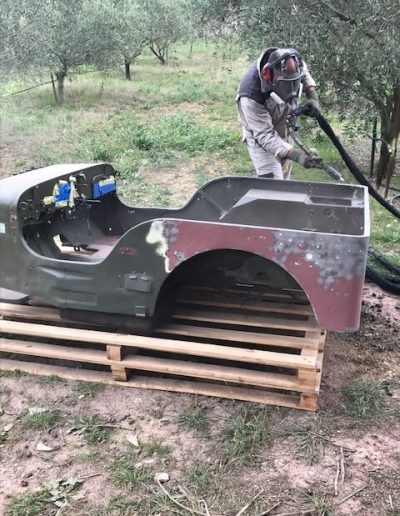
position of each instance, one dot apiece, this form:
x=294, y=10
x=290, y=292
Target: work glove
x=305, y=160
x=312, y=103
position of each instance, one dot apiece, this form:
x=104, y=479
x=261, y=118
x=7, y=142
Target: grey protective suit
x=263, y=119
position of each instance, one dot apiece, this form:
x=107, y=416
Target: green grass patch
x=194, y=418
x=29, y=504
x=385, y=232
x=244, y=434
x=41, y=420
x=126, y=475
x=51, y=380
x=4, y=396
x=151, y=503
x=365, y=400
x=12, y=374
x=310, y=443
x=87, y=389
x=318, y=504
x=156, y=447
x=90, y=427
x=201, y=479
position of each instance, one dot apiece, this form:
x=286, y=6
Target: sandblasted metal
x=67, y=240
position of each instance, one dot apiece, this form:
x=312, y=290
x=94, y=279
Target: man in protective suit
x=268, y=92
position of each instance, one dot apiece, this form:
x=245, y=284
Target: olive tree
x=129, y=32
x=164, y=24
x=53, y=36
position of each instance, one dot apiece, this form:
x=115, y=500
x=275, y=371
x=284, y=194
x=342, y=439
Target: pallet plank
x=220, y=391
x=243, y=336
x=175, y=346
x=254, y=290
x=245, y=320
x=246, y=304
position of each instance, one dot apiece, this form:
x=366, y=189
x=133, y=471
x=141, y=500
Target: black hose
x=390, y=266
x=323, y=123
x=383, y=281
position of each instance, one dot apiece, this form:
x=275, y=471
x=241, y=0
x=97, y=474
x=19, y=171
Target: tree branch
x=343, y=17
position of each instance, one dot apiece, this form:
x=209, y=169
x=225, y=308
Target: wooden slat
x=156, y=344
x=244, y=303
x=39, y=349
x=284, y=341
x=252, y=291
x=260, y=321
x=220, y=391
x=214, y=372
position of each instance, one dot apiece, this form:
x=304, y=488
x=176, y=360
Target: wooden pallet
x=249, y=345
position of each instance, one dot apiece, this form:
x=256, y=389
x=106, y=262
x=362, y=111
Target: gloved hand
x=305, y=160
x=312, y=103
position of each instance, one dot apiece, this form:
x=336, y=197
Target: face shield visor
x=286, y=70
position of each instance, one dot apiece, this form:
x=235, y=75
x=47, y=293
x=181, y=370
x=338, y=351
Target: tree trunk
x=390, y=124
x=61, y=74
x=127, y=69
x=53, y=84
x=158, y=55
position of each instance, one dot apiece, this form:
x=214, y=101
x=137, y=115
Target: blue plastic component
x=64, y=191
x=103, y=187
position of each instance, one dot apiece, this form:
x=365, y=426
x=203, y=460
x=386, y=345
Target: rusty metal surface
x=98, y=255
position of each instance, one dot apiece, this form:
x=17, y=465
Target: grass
x=89, y=426
x=194, y=418
x=151, y=503
x=310, y=443
x=29, y=504
x=4, y=396
x=318, y=504
x=157, y=447
x=87, y=389
x=52, y=379
x=125, y=474
x=41, y=420
x=12, y=374
x=201, y=479
x=365, y=400
x=244, y=434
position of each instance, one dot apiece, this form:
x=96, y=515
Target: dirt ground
x=324, y=463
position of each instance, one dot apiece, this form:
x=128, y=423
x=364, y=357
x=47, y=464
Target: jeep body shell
x=92, y=253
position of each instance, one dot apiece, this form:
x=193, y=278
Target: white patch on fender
x=156, y=236
x=2, y=228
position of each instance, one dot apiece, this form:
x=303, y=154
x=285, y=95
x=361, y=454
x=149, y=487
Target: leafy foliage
x=90, y=428
x=54, y=36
